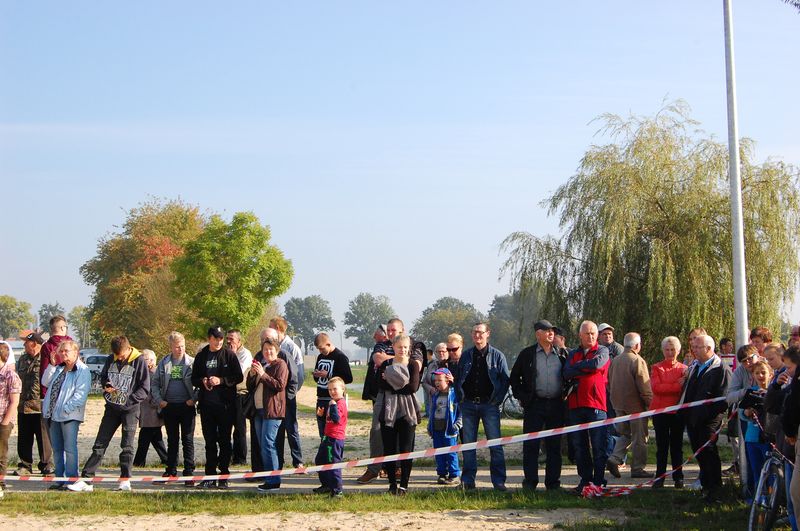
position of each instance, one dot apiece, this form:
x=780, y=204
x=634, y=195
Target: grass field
x=646, y=509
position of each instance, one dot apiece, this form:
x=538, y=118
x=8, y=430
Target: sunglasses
x=452, y=349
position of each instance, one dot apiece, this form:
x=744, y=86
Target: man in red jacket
x=586, y=371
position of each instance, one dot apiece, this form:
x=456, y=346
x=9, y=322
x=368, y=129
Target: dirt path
x=484, y=520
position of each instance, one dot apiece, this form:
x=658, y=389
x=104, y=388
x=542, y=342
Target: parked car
x=94, y=360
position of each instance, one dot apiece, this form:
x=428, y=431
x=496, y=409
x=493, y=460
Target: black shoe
x=267, y=487
x=613, y=468
x=57, y=486
x=222, y=484
x=467, y=486
x=393, y=489
x=501, y=488
x=207, y=484
x=554, y=486
x=658, y=484
x=679, y=484
x=528, y=486
x=337, y=494
x=322, y=489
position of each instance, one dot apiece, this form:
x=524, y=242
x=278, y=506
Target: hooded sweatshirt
x=50, y=346
x=130, y=378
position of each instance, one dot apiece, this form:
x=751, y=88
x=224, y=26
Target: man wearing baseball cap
x=29, y=414
x=216, y=371
x=537, y=383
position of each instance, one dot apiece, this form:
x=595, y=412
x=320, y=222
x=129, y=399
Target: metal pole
x=737, y=229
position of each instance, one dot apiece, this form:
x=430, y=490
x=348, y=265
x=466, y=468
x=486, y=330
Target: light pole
x=737, y=228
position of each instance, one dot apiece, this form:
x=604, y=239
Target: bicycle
x=769, y=500
x=510, y=407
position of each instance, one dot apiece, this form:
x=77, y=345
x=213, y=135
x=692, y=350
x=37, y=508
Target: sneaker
x=22, y=471
x=207, y=484
x=613, y=469
x=337, y=494
x=267, y=487
x=81, y=486
x=452, y=480
x=367, y=477
x=125, y=485
x=442, y=480
x=322, y=489
x=222, y=484
x=402, y=491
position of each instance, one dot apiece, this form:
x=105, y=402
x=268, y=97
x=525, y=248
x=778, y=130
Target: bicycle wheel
x=766, y=501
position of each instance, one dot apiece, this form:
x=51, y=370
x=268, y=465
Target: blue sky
x=357, y=130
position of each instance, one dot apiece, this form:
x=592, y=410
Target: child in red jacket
x=331, y=447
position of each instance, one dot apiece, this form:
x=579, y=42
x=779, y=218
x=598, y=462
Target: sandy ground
x=484, y=520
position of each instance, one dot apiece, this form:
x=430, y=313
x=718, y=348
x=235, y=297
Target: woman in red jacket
x=666, y=379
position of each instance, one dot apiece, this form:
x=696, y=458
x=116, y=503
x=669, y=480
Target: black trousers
x=708, y=459
x=179, y=421
x=398, y=439
x=669, y=441
x=29, y=427
x=240, y=431
x=148, y=436
x=217, y=424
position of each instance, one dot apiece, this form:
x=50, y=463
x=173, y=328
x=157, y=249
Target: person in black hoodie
x=216, y=371
x=126, y=382
x=331, y=362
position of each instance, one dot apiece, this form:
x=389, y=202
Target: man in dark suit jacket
x=708, y=378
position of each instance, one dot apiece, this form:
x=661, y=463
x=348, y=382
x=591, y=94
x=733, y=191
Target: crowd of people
x=45, y=390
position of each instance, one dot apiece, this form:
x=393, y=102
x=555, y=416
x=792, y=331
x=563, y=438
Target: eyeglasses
x=453, y=349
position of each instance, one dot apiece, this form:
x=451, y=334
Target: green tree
x=511, y=318
x=230, y=273
x=445, y=316
x=132, y=277
x=47, y=312
x=80, y=323
x=15, y=315
x=365, y=313
x=308, y=316
x=646, y=241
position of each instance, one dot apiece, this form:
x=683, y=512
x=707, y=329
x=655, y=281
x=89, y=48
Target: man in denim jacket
x=481, y=386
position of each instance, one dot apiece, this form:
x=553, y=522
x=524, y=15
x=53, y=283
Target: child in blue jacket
x=444, y=421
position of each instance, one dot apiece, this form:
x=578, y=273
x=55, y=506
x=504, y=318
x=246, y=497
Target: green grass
x=646, y=509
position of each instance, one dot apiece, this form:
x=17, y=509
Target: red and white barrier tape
x=430, y=452
x=593, y=491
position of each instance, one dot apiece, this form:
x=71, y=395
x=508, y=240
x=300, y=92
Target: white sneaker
x=125, y=485
x=696, y=485
x=81, y=486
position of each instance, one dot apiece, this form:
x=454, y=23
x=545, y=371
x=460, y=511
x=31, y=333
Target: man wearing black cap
x=216, y=371
x=29, y=414
x=537, y=383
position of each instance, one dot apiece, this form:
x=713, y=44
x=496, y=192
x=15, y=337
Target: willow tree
x=646, y=241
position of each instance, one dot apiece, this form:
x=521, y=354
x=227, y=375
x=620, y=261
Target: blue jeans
x=267, y=430
x=446, y=464
x=290, y=430
x=590, y=469
x=64, y=440
x=542, y=413
x=489, y=414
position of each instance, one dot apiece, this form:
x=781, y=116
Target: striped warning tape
x=430, y=452
x=593, y=491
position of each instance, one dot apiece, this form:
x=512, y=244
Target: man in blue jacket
x=481, y=386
